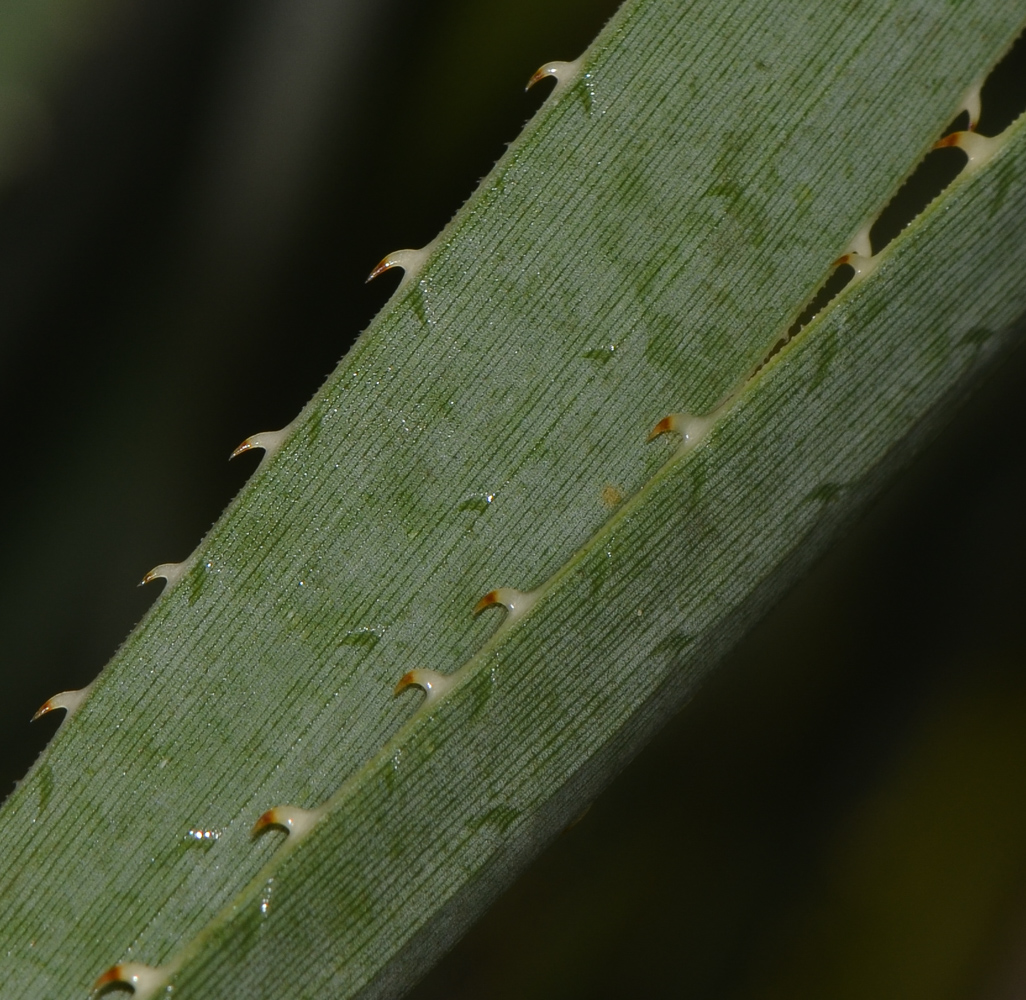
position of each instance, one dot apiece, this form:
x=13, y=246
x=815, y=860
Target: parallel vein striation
x=671, y=210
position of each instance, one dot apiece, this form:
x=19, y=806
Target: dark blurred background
x=191, y=195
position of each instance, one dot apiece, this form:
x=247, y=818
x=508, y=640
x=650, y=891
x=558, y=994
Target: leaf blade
x=312, y=612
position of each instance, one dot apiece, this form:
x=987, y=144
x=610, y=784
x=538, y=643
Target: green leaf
x=655, y=231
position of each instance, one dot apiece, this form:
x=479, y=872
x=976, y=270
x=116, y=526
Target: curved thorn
x=516, y=602
x=563, y=73
x=291, y=819
x=431, y=682
x=979, y=149
x=665, y=426
x=383, y=265
x=859, y=263
x=268, y=441
x=410, y=261
x=145, y=980
x=948, y=141
x=690, y=428
x=171, y=572
x=68, y=700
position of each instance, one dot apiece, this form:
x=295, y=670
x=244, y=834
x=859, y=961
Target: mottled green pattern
x=667, y=215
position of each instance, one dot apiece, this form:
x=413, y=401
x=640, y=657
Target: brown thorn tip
x=266, y=820
x=952, y=139
x=664, y=426
x=380, y=268
x=47, y=706
x=112, y=975
x=404, y=682
x=538, y=76
x=492, y=597
x=843, y=259
x=242, y=449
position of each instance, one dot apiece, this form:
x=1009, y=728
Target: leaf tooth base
x=971, y=104
x=979, y=149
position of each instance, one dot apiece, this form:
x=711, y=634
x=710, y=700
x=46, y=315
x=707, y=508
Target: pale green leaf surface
x=655, y=229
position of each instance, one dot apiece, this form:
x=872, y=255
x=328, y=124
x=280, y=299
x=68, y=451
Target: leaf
x=657, y=228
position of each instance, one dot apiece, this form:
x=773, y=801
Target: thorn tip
x=492, y=597
x=379, y=269
x=667, y=424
